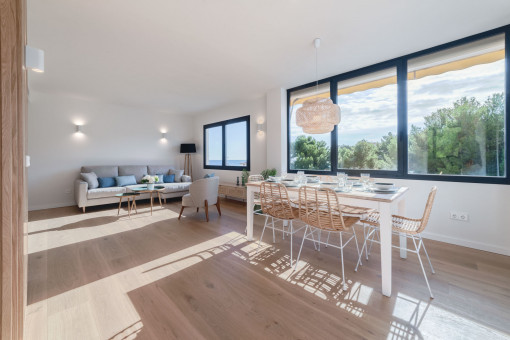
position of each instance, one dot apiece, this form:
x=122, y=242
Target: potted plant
x=244, y=177
x=268, y=173
x=150, y=180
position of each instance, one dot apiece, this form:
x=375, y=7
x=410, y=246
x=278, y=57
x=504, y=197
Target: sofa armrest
x=80, y=192
x=185, y=178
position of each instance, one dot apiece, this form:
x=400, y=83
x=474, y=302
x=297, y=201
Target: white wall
x=112, y=135
x=256, y=108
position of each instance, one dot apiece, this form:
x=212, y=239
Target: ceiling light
x=318, y=115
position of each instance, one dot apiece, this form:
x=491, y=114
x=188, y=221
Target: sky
x=372, y=114
x=235, y=145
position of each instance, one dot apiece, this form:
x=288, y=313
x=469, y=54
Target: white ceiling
x=192, y=55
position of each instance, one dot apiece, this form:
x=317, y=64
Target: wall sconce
x=261, y=128
x=78, y=129
x=34, y=59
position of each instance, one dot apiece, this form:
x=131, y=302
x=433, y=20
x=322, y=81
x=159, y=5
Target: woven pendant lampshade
x=318, y=115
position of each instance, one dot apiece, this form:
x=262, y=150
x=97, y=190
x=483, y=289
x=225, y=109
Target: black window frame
x=223, y=125
x=402, y=138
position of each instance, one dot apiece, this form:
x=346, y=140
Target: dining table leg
x=385, y=234
x=403, y=238
x=250, y=193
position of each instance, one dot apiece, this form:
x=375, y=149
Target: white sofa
x=86, y=197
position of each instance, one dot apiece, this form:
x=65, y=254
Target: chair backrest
x=274, y=201
x=320, y=208
x=255, y=178
x=205, y=189
x=428, y=209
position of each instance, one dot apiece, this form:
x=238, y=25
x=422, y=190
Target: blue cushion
x=122, y=181
x=160, y=179
x=169, y=178
x=209, y=175
x=106, y=182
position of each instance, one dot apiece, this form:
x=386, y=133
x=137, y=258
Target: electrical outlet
x=463, y=216
x=459, y=216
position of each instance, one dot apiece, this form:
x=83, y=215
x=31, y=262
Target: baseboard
x=50, y=206
x=467, y=243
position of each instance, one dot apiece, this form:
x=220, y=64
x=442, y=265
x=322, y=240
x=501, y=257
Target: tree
x=310, y=154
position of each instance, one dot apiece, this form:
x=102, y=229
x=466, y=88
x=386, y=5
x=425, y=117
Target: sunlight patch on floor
x=427, y=320
x=102, y=309
x=63, y=231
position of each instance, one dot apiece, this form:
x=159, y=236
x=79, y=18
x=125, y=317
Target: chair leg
x=182, y=209
x=197, y=209
x=301, y=248
x=327, y=240
x=365, y=247
x=342, y=257
x=428, y=258
x=206, y=207
x=263, y=229
x=422, y=268
x=291, y=233
x=313, y=238
x=218, y=205
x=357, y=248
x=272, y=222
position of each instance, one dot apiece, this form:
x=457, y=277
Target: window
x=456, y=110
x=308, y=152
x=367, y=134
x=438, y=114
x=227, y=144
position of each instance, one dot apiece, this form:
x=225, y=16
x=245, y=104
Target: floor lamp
x=188, y=149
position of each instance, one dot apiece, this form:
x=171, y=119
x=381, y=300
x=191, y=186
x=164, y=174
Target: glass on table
x=365, y=178
x=342, y=178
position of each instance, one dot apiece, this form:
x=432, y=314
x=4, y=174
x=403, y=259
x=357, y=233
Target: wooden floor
x=100, y=276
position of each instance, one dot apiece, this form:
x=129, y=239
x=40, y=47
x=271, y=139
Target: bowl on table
x=383, y=186
x=312, y=179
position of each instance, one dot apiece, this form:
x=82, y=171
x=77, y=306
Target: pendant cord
x=316, y=72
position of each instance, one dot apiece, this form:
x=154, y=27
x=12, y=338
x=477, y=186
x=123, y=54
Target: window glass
x=213, y=146
x=456, y=110
x=235, y=144
x=308, y=152
x=367, y=133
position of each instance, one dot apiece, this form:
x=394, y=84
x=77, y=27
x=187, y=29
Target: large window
x=227, y=144
x=308, y=152
x=367, y=134
x=438, y=114
x=456, y=110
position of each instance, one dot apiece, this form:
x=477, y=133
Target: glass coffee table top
x=144, y=188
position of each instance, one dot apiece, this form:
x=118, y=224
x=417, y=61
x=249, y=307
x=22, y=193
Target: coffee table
x=158, y=189
x=130, y=197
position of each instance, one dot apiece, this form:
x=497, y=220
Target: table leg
x=385, y=231
x=403, y=238
x=134, y=204
x=151, y=202
x=120, y=202
x=159, y=197
x=129, y=206
x=250, y=193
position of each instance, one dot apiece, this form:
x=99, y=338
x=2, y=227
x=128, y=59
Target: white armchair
x=202, y=194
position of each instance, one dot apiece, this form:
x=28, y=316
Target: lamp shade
x=188, y=148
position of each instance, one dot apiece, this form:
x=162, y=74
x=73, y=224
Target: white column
x=276, y=129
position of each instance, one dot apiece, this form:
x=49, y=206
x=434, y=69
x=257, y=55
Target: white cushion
x=187, y=201
x=175, y=187
x=105, y=192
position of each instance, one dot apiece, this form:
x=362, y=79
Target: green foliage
x=268, y=172
x=244, y=176
x=310, y=154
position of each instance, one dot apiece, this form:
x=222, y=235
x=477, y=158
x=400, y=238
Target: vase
x=150, y=186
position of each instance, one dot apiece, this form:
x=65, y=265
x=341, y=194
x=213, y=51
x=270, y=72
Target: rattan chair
x=320, y=210
x=275, y=204
x=409, y=227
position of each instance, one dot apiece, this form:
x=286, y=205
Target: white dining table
x=386, y=204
